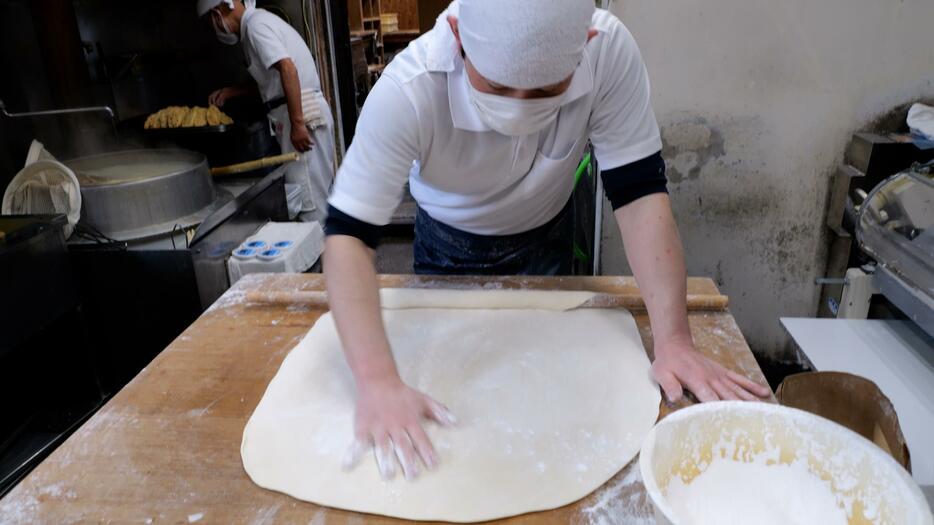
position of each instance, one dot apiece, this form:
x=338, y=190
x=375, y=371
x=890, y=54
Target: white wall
x=757, y=100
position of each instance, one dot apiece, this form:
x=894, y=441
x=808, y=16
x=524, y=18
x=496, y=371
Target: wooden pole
x=255, y=164
x=603, y=300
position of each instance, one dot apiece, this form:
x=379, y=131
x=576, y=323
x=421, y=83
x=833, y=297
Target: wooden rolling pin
x=601, y=300
x=255, y=164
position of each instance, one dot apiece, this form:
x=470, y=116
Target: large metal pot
x=131, y=195
x=136, y=194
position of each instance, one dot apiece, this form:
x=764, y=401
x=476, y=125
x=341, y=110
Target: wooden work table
x=166, y=448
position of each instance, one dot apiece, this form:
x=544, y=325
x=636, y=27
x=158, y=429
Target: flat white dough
x=403, y=298
x=551, y=404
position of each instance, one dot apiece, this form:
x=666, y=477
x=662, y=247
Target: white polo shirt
x=267, y=39
x=418, y=124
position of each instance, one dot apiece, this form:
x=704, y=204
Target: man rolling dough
x=287, y=80
x=487, y=116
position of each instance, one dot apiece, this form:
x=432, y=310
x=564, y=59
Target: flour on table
x=622, y=501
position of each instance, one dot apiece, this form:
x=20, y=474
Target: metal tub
x=136, y=194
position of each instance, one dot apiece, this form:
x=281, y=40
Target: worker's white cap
x=206, y=5
x=525, y=44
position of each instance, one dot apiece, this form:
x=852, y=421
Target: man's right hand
x=389, y=419
x=301, y=137
x=219, y=97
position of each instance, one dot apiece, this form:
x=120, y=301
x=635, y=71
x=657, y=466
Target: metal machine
x=878, y=305
x=895, y=226
x=879, y=262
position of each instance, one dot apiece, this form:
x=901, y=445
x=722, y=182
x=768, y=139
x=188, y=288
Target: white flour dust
x=733, y=492
x=622, y=501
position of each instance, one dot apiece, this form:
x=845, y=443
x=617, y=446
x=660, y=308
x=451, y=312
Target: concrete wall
x=757, y=100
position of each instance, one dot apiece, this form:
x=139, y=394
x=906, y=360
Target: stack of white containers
x=278, y=247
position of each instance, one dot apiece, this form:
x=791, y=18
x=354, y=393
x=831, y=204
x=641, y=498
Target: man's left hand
x=678, y=366
x=301, y=138
x=221, y=96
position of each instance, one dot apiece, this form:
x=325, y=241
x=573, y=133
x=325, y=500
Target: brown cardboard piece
x=852, y=401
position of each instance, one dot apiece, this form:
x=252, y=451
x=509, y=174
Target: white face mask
x=515, y=117
x=224, y=35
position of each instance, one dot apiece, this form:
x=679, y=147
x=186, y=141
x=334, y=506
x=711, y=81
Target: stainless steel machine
x=878, y=308
x=895, y=226
x=150, y=250
x=165, y=201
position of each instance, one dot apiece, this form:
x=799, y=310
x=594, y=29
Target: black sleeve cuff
x=633, y=181
x=339, y=223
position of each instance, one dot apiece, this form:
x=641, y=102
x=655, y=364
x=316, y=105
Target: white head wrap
x=525, y=44
x=206, y=5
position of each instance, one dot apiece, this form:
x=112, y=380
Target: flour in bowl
x=732, y=492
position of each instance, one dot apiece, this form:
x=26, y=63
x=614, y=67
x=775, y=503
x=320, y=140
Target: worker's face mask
x=514, y=116
x=224, y=35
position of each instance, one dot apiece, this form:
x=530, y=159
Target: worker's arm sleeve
x=339, y=223
x=267, y=43
x=370, y=182
x=623, y=128
x=633, y=181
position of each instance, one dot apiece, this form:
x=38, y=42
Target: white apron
x=314, y=171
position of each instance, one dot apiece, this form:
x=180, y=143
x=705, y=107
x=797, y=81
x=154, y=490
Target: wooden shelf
x=371, y=19
x=362, y=13
x=399, y=39
x=401, y=35
x=406, y=11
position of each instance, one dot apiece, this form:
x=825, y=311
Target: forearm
x=292, y=89
x=353, y=294
x=656, y=257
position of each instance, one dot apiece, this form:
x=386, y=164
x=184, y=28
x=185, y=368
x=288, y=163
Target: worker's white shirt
x=418, y=124
x=267, y=39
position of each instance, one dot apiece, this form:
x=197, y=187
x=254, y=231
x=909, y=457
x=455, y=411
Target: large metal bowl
x=136, y=194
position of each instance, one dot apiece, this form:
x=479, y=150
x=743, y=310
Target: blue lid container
x=244, y=253
x=268, y=255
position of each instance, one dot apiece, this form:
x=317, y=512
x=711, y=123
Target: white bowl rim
x=648, y=447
